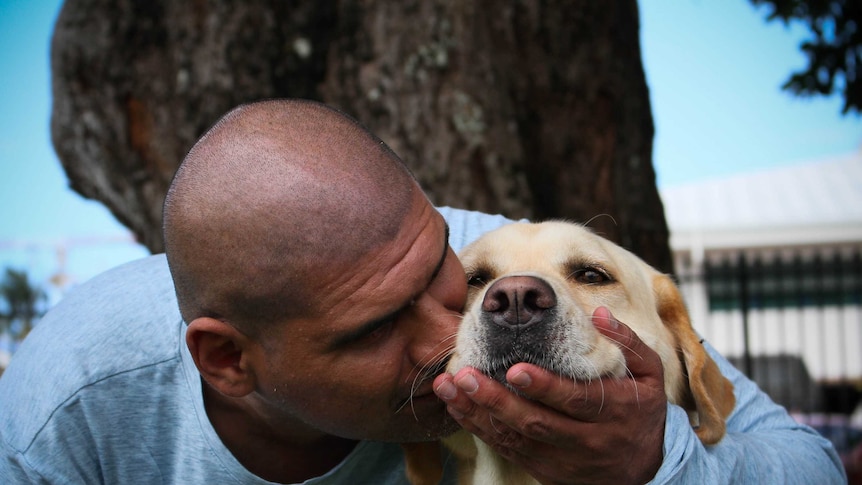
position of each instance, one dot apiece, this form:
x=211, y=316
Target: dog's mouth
x=503, y=361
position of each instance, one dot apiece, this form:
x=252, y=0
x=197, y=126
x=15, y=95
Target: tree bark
x=533, y=109
x=135, y=83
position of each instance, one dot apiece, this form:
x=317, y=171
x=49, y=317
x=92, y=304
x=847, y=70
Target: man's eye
x=378, y=333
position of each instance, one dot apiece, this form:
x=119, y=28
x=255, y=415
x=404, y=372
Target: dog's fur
x=533, y=289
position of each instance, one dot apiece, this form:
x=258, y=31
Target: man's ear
x=221, y=353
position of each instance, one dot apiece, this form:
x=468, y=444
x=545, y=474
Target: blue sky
x=714, y=68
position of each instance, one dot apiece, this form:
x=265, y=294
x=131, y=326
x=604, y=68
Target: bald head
x=274, y=192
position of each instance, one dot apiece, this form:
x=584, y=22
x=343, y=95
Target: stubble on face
x=374, y=391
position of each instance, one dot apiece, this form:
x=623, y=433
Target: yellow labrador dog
x=533, y=290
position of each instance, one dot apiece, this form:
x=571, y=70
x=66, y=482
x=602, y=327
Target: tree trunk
x=532, y=109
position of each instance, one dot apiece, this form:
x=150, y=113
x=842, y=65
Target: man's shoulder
x=466, y=226
x=120, y=322
x=128, y=307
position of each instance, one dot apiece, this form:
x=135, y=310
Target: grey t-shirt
x=104, y=390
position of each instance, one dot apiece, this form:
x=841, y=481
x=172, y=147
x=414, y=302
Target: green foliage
x=834, y=53
x=21, y=303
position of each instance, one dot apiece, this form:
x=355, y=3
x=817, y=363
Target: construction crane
x=60, y=277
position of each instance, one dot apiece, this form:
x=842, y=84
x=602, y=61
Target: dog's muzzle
x=518, y=316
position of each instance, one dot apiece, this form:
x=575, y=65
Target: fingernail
x=521, y=379
x=468, y=383
x=446, y=391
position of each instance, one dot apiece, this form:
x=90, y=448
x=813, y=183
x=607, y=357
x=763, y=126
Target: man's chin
x=430, y=427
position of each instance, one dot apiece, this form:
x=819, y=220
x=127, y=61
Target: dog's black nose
x=518, y=301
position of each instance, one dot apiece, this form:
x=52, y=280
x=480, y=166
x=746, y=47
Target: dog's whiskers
x=634, y=384
x=622, y=344
x=590, y=221
x=430, y=366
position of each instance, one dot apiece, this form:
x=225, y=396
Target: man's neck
x=269, y=454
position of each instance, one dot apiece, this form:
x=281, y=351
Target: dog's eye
x=478, y=278
x=476, y=281
x=590, y=276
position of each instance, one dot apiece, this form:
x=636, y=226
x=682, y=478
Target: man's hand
x=604, y=431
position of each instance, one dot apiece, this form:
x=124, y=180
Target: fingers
x=489, y=410
x=584, y=401
x=462, y=390
x=640, y=359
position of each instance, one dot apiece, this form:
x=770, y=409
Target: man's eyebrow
x=442, y=256
x=369, y=327
x=439, y=263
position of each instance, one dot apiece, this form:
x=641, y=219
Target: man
x=311, y=298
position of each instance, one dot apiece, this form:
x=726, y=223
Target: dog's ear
x=423, y=463
x=710, y=394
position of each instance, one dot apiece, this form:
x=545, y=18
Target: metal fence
x=790, y=319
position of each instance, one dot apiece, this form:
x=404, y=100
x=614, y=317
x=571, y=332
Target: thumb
x=640, y=359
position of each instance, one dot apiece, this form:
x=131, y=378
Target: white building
x=799, y=230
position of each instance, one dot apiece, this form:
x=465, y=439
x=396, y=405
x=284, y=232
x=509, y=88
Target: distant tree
x=21, y=304
x=835, y=52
